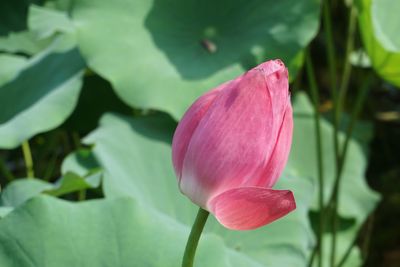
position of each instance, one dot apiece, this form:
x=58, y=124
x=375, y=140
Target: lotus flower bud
x=232, y=144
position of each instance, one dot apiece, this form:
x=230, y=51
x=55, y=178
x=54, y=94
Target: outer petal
x=188, y=125
x=274, y=166
x=248, y=208
x=237, y=134
x=279, y=157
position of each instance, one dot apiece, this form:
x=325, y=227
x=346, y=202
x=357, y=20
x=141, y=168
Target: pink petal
x=248, y=208
x=188, y=125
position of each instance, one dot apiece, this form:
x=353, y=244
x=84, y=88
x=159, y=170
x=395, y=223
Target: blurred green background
x=92, y=90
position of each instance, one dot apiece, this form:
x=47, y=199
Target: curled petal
x=248, y=208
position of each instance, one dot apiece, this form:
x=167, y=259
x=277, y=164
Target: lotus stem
x=194, y=237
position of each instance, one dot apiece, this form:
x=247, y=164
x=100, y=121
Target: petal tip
x=272, y=66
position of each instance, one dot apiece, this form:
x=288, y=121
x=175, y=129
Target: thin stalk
x=351, y=246
x=26, y=150
x=82, y=195
x=367, y=239
x=298, y=80
x=76, y=139
x=317, y=119
x=51, y=165
x=332, y=73
x=194, y=237
x=347, y=253
x=344, y=84
x=312, y=257
x=334, y=201
x=6, y=172
x=330, y=47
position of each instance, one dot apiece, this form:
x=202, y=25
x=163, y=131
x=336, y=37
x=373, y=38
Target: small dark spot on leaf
x=209, y=46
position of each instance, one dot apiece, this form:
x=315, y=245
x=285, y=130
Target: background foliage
x=91, y=92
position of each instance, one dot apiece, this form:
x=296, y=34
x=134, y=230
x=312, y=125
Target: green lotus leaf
x=164, y=54
x=136, y=157
x=385, y=62
x=386, y=23
x=10, y=66
x=41, y=96
x=51, y=232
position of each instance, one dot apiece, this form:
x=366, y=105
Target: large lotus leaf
x=21, y=190
x=63, y=5
x=356, y=199
x=44, y=21
x=4, y=211
x=386, y=22
x=164, y=54
x=22, y=42
x=136, y=157
x=10, y=66
x=41, y=96
x=140, y=165
x=385, y=63
x=52, y=232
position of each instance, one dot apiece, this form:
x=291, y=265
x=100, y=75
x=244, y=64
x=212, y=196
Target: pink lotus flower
x=232, y=144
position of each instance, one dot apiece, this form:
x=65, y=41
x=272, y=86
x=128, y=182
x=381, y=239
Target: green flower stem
x=332, y=73
x=76, y=139
x=367, y=237
x=330, y=46
x=51, y=166
x=195, y=233
x=317, y=119
x=82, y=195
x=347, y=253
x=334, y=201
x=26, y=150
x=344, y=84
x=312, y=257
x=354, y=243
x=338, y=109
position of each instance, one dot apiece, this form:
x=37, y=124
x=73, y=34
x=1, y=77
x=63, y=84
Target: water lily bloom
x=232, y=144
